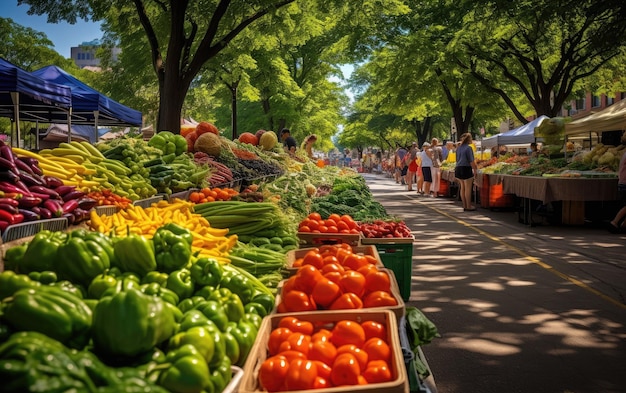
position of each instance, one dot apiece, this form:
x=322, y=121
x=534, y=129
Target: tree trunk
x=171, y=98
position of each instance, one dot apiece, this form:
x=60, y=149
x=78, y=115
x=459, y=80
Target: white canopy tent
x=611, y=118
x=520, y=135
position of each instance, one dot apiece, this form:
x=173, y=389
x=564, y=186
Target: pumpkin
x=268, y=140
x=208, y=143
x=248, y=137
x=204, y=126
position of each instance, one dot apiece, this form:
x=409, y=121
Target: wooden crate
x=259, y=351
x=310, y=239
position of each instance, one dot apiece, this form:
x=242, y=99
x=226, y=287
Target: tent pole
x=37, y=135
x=95, y=115
x=16, y=108
x=69, y=126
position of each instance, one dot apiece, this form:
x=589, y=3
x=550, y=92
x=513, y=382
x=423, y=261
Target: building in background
x=84, y=55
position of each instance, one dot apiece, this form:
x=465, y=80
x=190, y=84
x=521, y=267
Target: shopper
x=437, y=158
x=427, y=164
x=412, y=166
x=400, y=167
x=289, y=142
x=618, y=224
x=465, y=171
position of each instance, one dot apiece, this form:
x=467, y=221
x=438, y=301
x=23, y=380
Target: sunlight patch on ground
x=487, y=347
x=476, y=305
x=444, y=278
x=489, y=286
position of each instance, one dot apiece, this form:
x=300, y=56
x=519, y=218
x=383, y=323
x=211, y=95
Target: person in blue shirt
x=466, y=170
x=289, y=142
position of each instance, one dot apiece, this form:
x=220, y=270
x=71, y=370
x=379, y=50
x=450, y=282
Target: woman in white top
x=427, y=163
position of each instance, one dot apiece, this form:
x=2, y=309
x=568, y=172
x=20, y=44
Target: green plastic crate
x=396, y=255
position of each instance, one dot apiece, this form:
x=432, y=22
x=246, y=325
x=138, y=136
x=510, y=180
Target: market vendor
x=289, y=142
x=533, y=150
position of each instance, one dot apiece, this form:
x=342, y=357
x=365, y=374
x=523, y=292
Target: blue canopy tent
x=24, y=96
x=89, y=106
x=519, y=135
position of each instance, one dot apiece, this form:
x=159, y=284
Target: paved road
x=519, y=308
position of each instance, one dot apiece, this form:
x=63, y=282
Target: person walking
x=437, y=158
x=618, y=224
x=400, y=168
x=412, y=170
x=427, y=165
x=465, y=170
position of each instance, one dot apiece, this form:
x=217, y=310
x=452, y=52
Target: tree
x=182, y=35
x=543, y=50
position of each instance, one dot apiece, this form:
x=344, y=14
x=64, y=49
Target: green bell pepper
x=45, y=277
x=206, y=271
x=88, y=258
x=14, y=256
x=181, y=144
x=130, y=323
x=221, y=374
x=135, y=253
x=255, y=308
x=231, y=303
x=69, y=287
x=200, y=337
x=180, y=282
x=52, y=311
x=190, y=303
x=41, y=253
x=192, y=318
x=245, y=334
x=238, y=284
x=215, y=312
x=154, y=289
x=11, y=282
x=232, y=347
x=188, y=372
x=205, y=291
x=100, y=284
x=266, y=300
x=172, y=247
x=254, y=319
x=155, y=276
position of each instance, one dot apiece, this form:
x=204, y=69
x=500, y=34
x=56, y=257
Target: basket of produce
x=356, y=351
x=147, y=202
x=25, y=229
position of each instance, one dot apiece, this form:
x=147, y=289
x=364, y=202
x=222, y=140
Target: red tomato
x=377, y=349
x=377, y=371
x=379, y=299
x=374, y=329
x=273, y=372
x=347, y=301
x=296, y=326
x=347, y=332
x=324, y=351
x=298, y=301
x=345, y=370
x=302, y=375
x=277, y=336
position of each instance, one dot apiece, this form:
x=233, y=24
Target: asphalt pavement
x=518, y=308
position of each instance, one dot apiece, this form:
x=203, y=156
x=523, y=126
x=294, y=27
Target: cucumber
x=273, y=247
x=276, y=240
x=259, y=241
x=290, y=241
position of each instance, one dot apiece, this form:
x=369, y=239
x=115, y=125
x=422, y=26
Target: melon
x=248, y=137
x=208, y=143
x=268, y=140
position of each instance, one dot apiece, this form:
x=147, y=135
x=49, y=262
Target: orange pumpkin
x=250, y=138
x=204, y=126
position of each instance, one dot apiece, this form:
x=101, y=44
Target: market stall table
x=572, y=191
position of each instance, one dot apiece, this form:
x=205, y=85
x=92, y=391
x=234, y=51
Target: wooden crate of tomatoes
x=295, y=258
x=335, y=278
x=327, y=351
x=316, y=230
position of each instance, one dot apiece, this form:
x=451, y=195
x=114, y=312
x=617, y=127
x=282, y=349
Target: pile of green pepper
x=118, y=301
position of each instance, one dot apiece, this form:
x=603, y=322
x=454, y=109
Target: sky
x=63, y=35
